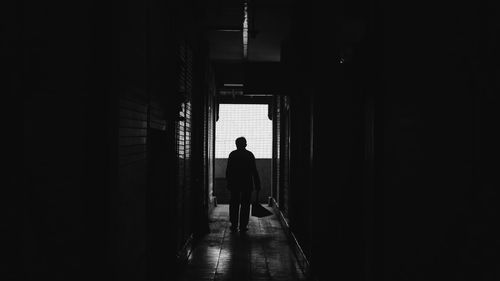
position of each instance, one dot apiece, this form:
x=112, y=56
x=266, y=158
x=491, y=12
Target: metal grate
x=248, y=120
x=184, y=148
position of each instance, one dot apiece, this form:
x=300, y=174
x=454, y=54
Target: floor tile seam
x=220, y=251
x=266, y=260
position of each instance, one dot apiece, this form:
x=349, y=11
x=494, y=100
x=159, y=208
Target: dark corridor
x=262, y=253
x=384, y=161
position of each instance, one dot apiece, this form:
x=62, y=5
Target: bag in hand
x=259, y=210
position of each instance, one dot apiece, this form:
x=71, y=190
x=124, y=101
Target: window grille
x=244, y=120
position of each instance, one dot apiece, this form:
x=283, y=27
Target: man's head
x=241, y=143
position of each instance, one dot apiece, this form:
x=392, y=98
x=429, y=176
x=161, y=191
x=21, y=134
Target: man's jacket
x=241, y=171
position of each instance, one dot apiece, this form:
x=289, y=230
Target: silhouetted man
x=241, y=177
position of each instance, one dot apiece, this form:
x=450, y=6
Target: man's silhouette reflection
x=241, y=177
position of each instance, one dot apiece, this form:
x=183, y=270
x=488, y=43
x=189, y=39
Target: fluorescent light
x=245, y=31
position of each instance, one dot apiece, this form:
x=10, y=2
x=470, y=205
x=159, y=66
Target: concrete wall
x=402, y=143
x=265, y=173
x=92, y=180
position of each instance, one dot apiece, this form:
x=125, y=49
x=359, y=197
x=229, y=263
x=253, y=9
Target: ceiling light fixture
x=245, y=30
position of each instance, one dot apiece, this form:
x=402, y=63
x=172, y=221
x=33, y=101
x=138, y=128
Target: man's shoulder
x=241, y=153
x=249, y=153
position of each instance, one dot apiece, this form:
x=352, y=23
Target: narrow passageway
x=262, y=253
x=373, y=126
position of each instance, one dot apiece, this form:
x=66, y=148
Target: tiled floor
x=262, y=253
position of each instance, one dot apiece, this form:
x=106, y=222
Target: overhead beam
x=255, y=77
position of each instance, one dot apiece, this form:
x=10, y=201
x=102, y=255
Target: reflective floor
x=262, y=253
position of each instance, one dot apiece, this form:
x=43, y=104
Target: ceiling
x=268, y=22
x=268, y=25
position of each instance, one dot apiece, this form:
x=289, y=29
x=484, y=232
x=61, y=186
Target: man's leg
x=245, y=209
x=234, y=206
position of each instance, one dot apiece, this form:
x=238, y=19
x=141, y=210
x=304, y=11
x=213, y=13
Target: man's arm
x=228, y=172
x=255, y=173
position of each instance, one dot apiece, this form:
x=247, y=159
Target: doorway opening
x=252, y=122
